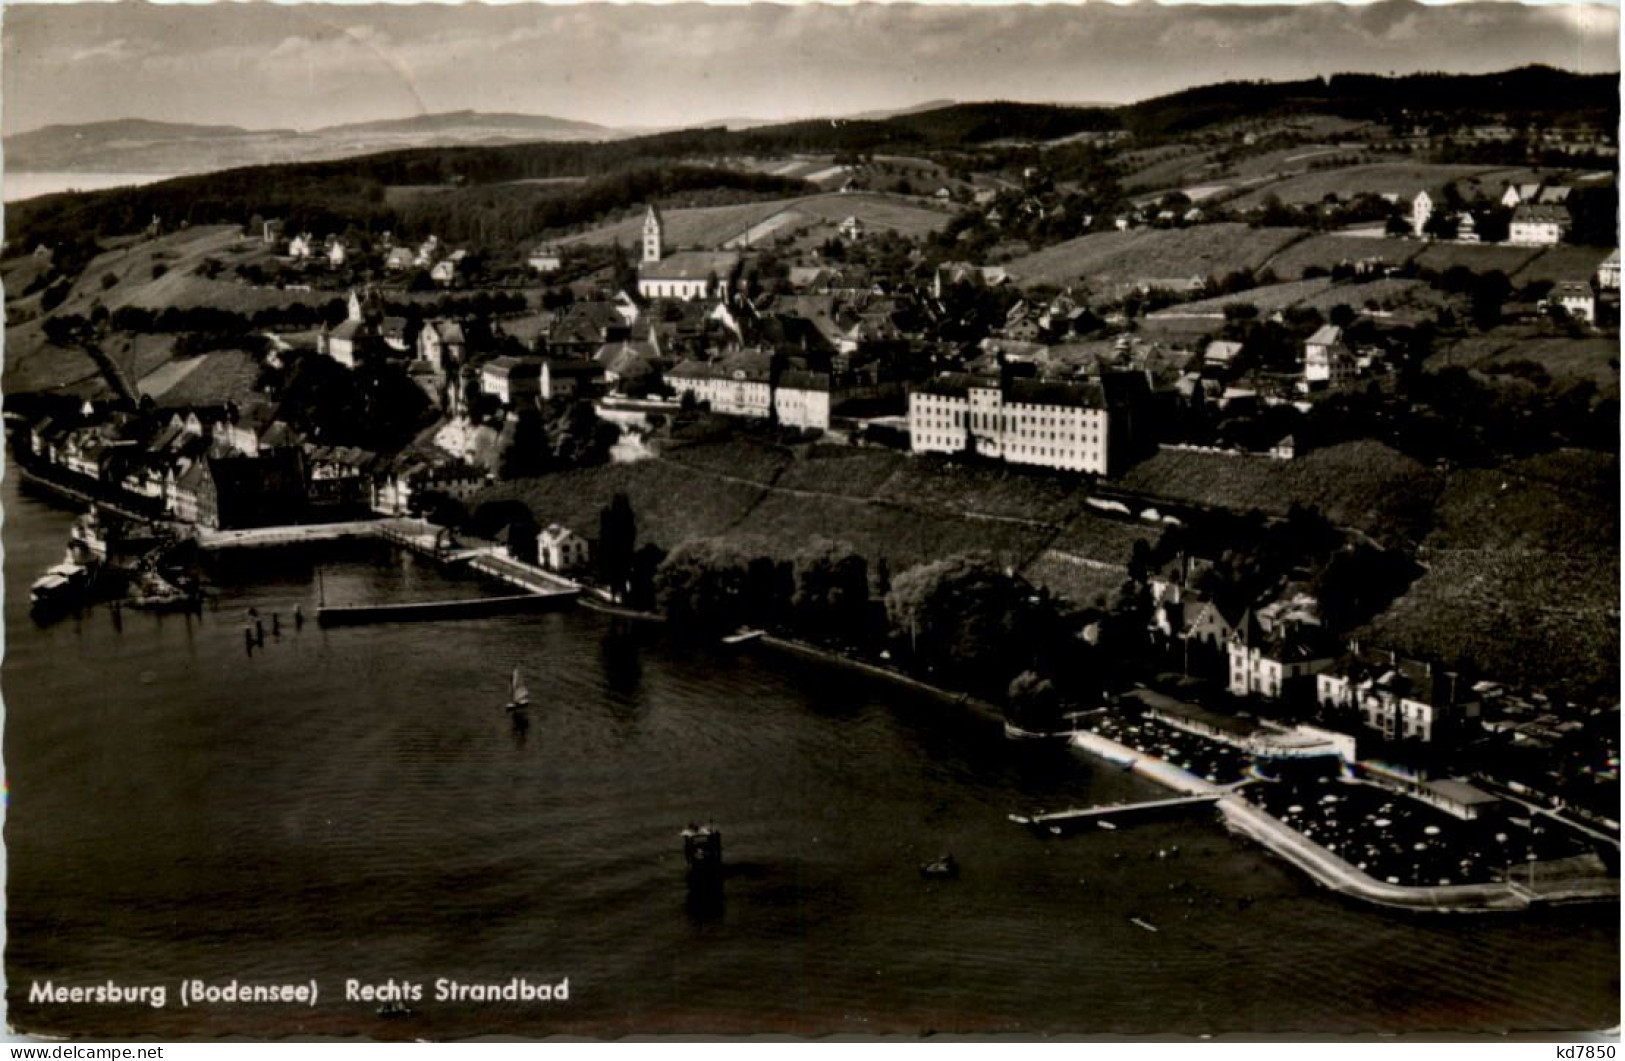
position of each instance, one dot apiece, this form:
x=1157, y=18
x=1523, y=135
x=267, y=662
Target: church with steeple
x=683, y=275
x=654, y=232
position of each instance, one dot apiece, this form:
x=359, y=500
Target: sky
x=306, y=65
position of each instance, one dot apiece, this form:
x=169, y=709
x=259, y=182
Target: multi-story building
x=1278, y=664
x=749, y=384
x=1326, y=358
x=1064, y=425
x=1539, y=225
x=1402, y=699
x=1577, y=299
x=512, y=380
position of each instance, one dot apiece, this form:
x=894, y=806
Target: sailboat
x=518, y=695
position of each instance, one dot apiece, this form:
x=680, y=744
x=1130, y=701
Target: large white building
x=1402, y=699
x=1539, y=225
x=1326, y=358
x=747, y=385
x=1022, y=421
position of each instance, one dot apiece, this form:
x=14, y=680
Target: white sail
x=517, y=693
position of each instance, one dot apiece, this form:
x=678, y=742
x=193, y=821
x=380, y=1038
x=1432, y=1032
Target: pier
x=434, y=611
x=298, y=534
x=1116, y=812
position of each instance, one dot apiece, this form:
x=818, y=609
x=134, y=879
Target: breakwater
x=432, y=611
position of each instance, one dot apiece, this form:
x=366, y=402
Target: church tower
x=652, y=235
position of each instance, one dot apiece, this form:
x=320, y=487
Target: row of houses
x=1280, y=651
x=1540, y=215
x=444, y=265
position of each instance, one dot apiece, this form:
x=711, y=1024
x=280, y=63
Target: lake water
x=355, y=803
x=18, y=185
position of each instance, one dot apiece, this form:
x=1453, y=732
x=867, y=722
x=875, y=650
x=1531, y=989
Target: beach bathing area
x=1360, y=838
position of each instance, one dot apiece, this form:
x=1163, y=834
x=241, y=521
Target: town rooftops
x=573, y=366
x=743, y=367
x=514, y=367
x=691, y=265
x=1056, y=393
x=1541, y=212
x=1572, y=289
x=795, y=379
x=448, y=331
x=955, y=384
x=1327, y=335
x=1059, y=393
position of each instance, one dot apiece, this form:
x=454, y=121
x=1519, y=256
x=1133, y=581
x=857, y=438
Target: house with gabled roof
x=1517, y=194
x=1539, y=225
x=1608, y=272
x=1398, y=697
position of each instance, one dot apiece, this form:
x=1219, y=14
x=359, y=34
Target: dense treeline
x=1526, y=94
x=323, y=198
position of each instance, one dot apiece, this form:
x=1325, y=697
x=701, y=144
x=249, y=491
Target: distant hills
x=136, y=145
x=511, y=167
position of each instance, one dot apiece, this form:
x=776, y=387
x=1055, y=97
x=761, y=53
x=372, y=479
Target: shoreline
x=802, y=648
x=1241, y=817
x=1327, y=869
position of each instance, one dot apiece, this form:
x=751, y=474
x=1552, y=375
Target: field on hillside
x=1564, y=502
x=1084, y=584
x=749, y=459
x=140, y=355
x=713, y=226
x=843, y=470
x=1567, y=361
x=1566, y=262
x=1360, y=484
x=671, y=503
x=1268, y=299
x=1403, y=179
x=208, y=379
x=32, y=364
x=1389, y=293
x=1523, y=574
x=1106, y=258
x=903, y=536
x=1328, y=251
x=1479, y=257
x=1521, y=617
x=882, y=504
x=1161, y=171
x=932, y=483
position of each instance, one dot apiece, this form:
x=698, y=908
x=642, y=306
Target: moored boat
x=61, y=586
x=942, y=866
